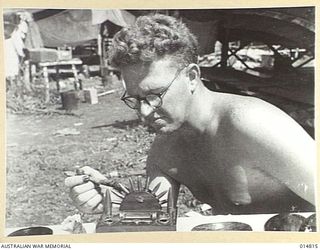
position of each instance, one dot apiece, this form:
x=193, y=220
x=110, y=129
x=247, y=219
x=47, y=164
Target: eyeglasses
x=154, y=100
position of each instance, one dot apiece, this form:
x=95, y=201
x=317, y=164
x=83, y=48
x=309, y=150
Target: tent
x=54, y=28
x=75, y=27
x=71, y=27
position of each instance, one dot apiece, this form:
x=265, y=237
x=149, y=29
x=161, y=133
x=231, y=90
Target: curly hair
x=153, y=37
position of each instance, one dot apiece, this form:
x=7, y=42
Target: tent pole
x=100, y=52
x=225, y=48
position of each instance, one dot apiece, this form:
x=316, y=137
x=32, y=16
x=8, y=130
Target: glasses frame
x=160, y=95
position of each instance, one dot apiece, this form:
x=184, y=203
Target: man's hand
x=86, y=195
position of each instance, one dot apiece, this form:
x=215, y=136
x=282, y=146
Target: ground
x=42, y=145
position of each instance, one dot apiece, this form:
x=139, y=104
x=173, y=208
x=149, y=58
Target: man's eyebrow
x=155, y=91
x=148, y=92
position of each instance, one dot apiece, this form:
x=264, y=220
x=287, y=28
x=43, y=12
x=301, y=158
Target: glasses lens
x=154, y=100
x=131, y=102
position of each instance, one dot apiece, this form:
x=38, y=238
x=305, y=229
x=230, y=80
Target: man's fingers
x=83, y=175
x=94, y=201
x=82, y=188
x=93, y=205
x=95, y=175
x=75, y=180
x=86, y=196
x=97, y=209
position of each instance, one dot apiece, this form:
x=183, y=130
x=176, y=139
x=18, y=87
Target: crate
x=64, y=55
x=43, y=55
x=91, y=95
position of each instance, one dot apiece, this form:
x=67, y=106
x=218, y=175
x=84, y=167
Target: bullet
x=116, y=202
x=107, y=210
x=139, y=184
x=161, y=194
x=116, y=185
x=170, y=205
x=156, y=188
x=131, y=184
x=162, y=202
x=117, y=194
x=105, y=182
x=124, y=189
x=146, y=185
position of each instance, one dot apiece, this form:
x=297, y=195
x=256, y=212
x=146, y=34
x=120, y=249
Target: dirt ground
x=41, y=146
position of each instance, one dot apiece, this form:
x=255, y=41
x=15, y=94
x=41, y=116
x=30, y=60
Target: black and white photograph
x=159, y=120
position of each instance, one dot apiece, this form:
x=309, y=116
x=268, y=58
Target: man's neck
x=204, y=110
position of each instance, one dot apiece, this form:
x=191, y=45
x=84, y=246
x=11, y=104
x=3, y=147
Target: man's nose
x=145, y=109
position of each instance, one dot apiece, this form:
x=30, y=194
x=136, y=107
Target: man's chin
x=164, y=129
x=162, y=126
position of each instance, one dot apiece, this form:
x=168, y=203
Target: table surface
x=75, y=61
x=185, y=224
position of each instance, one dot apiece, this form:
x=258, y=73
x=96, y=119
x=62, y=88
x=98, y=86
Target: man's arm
x=280, y=145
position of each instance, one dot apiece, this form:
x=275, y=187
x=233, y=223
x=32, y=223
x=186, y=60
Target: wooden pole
x=225, y=48
x=46, y=84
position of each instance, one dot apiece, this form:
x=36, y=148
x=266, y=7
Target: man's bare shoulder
x=248, y=112
x=260, y=119
x=243, y=107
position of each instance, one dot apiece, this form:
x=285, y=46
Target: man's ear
x=193, y=75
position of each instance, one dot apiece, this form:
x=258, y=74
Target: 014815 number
x=310, y=245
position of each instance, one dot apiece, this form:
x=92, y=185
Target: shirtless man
x=238, y=154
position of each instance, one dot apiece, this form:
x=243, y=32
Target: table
x=57, y=65
x=185, y=224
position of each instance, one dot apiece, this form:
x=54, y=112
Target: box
x=91, y=95
x=43, y=55
x=64, y=55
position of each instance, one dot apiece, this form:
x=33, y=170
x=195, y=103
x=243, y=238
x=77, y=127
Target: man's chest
x=215, y=177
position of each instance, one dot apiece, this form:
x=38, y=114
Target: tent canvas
x=77, y=26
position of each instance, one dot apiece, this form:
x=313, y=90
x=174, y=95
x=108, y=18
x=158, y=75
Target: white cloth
x=13, y=49
x=11, y=58
x=119, y=17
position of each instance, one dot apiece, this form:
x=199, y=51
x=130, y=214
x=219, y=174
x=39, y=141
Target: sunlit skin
x=238, y=154
x=162, y=119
